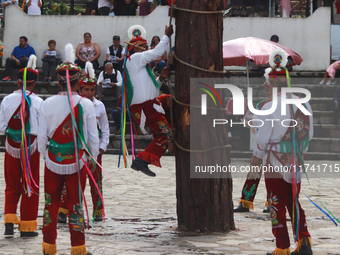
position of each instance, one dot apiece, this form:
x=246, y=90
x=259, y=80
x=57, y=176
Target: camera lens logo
x=204, y=97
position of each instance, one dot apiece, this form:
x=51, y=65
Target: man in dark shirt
x=19, y=57
x=115, y=54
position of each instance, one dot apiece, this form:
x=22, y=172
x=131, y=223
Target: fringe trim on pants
x=99, y=213
x=279, y=251
x=11, y=218
x=79, y=250
x=49, y=249
x=247, y=204
x=28, y=226
x=303, y=241
x=63, y=210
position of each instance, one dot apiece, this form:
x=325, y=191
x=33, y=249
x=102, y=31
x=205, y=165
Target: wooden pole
x=202, y=204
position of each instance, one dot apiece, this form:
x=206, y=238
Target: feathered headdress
x=74, y=70
x=136, y=35
x=90, y=78
x=278, y=61
x=31, y=74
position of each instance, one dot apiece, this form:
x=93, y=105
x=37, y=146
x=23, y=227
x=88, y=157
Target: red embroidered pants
x=96, y=200
x=280, y=197
x=159, y=127
x=16, y=188
x=249, y=189
x=53, y=187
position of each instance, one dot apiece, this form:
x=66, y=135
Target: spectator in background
x=94, y=8
x=87, y=10
x=130, y=7
x=144, y=7
x=33, y=7
x=159, y=63
x=105, y=6
x=4, y=3
x=50, y=58
x=19, y=57
x=274, y=38
x=115, y=54
x=331, y=71
x=118, y=8
x=109, y=79
x=87, y=51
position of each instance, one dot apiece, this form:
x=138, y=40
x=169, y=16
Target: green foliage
x=53, y=8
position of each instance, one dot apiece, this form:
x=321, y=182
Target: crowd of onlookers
x=95, y=7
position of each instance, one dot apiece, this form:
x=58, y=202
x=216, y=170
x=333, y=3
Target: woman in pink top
x=87, y=51
x=331, y=70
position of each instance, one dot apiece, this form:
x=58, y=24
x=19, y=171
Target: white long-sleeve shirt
x=102, y=122
x=273, y=131
x=106, y=82
x=143, y=86
x=10, y=104
x=53, y=112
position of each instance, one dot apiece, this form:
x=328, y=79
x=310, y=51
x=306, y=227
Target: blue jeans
x=161, y=64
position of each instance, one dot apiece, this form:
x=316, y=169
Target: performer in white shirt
x=87, y=89
x=57, y=146
x=142, y=93
x=279, y=149
x=21, y=176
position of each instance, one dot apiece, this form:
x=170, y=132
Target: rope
x=198, y=68
x=195, y=67
x=200, y=12
x=201, y=151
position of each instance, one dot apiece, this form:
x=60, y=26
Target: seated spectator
x=33, y=7
x=109, y=79
x=87, y=51
x=50, y=58
x=116, y=117
x=4, y=3
x=105, y=6
x=19, y=57
x=159, y=63
x=115, y=54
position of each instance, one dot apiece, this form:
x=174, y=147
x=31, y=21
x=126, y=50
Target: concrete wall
x=310, y=37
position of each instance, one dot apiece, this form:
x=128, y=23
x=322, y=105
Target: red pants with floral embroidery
x=158, y=125
x=96, y=200
x=16, y=188
x=54, y=184
x=280, y=197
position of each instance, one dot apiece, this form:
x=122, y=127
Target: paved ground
x=141, y=218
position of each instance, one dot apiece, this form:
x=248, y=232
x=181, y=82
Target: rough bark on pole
x=202, y=204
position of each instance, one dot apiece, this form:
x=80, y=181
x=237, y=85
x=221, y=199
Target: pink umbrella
x=254, y=51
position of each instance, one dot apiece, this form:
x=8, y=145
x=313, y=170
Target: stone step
x=322, y=117
x=326, y=130
x=322, y=144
